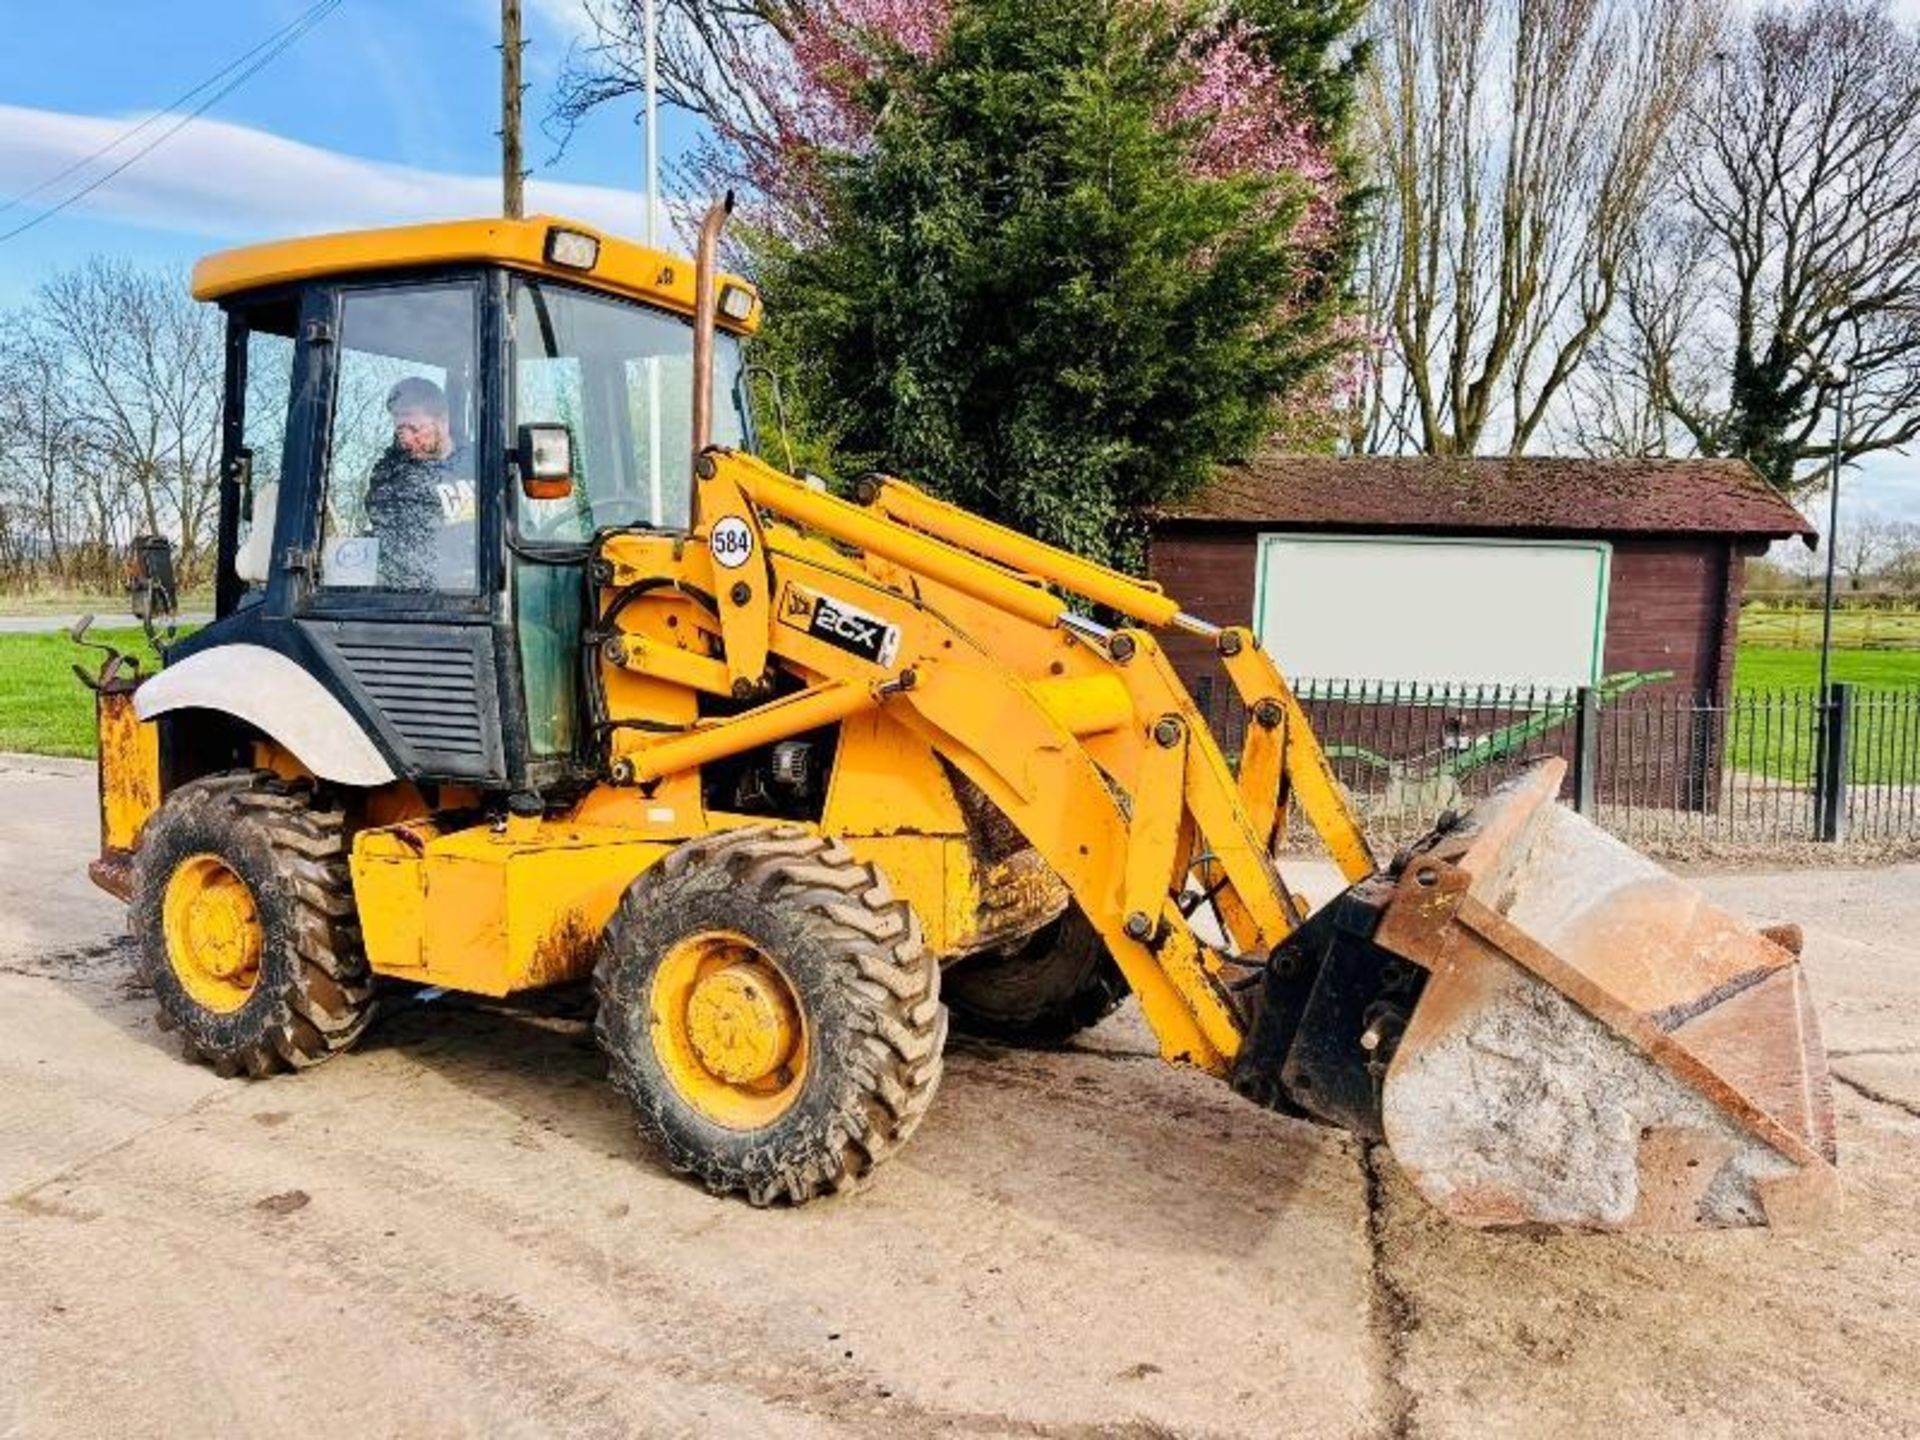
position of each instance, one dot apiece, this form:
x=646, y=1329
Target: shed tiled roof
x=1529, y=494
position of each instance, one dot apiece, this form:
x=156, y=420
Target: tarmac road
x=108, y=618
x=456, y=1231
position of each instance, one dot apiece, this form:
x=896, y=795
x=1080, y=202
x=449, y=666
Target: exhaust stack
x=705, y=304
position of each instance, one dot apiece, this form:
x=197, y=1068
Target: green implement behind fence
x=1456, y=761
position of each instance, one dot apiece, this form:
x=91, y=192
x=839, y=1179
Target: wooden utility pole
x=512, y=176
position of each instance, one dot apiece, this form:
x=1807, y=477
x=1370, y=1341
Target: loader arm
x=1543, y=1025
x=1083, y=736
x=959, y=633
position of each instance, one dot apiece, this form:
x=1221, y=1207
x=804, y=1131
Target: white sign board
x=1460, y=613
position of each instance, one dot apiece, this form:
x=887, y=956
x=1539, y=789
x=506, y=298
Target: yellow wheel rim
x=728, y=1029
x=214, y=935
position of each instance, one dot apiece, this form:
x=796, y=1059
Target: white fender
x=271, y=693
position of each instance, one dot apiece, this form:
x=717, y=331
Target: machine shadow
x=1052, y=1136
x=1056, y=1135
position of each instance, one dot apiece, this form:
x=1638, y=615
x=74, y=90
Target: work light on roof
x=571, y=248
x=736, y=302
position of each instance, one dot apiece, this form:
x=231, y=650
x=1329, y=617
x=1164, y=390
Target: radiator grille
x=429, y=695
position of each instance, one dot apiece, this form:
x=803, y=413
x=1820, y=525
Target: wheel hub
x=728, y=1029
x=741, y=1022
x=213, y=931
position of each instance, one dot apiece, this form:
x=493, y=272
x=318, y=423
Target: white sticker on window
x=731, y=542
x=353, y=562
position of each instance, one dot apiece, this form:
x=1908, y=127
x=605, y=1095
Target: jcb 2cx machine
x=526, y=670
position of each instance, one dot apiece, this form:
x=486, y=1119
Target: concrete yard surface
x=457, y=1230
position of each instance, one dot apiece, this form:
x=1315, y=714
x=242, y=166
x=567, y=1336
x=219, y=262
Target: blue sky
x=385, y=112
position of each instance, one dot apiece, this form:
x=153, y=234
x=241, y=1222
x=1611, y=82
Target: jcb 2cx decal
x=844, y=626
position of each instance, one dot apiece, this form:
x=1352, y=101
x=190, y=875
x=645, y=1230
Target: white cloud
x=1886, y=485
x=231, y=182
x=569, y=17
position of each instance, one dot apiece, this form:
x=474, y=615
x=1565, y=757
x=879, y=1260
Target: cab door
x=399, y=597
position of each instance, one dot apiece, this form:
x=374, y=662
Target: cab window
x=398, y=506
x=619, y=376
x=265, y=402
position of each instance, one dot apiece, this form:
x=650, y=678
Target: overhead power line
x=224, y=81
x=157, y=116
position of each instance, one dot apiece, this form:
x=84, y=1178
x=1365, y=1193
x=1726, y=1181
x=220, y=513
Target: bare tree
x=1865, y=543
x=109, y=423
x=1792, y=254
x=1518, y=143
x=701, y=43
x=716, y=62
x=33, y=430
x=143, y=365
x=1901, y=569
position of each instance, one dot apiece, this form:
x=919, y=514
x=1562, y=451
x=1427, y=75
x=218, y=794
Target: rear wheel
x=771, y=1011
x=1060, y=982
x=243, y=907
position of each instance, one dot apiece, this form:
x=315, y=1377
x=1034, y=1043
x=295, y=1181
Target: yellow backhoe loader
x=526, y=671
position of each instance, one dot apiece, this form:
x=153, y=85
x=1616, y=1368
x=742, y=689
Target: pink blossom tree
x=810, y=88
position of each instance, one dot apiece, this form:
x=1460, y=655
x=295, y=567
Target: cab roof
x=621, y=267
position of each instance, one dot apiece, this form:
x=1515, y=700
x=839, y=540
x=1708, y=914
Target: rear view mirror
x=150, y=583
x=546, y=462
x=152, y=589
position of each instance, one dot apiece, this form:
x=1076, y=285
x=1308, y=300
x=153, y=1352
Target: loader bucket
x=1594, y=1044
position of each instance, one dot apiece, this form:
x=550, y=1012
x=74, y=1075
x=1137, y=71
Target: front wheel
x=771, y=1011
x=243, y=908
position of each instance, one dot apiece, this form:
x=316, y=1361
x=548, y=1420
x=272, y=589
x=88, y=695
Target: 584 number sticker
x=731, y=541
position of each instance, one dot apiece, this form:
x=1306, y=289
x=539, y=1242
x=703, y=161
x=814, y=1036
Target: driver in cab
x=420, y=495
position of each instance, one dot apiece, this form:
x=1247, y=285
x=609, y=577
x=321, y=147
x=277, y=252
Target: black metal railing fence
x=1659, y=768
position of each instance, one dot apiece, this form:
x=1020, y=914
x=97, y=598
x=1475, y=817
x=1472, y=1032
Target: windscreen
x=619, y=376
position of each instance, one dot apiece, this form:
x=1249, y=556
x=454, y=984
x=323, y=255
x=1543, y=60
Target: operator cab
x=425, y=428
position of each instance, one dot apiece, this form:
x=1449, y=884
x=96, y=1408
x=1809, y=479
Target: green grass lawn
x=1777, y=738
x=44, y=708
x=1764, y=668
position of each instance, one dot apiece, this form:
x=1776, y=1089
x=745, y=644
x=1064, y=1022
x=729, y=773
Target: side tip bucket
x=1596, y=1045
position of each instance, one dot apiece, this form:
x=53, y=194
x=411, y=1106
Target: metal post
x=1839, y=373
x=650, y=26
x=512, y=173
x=1823, y=777
x=1837, y=722
x=1586, y=749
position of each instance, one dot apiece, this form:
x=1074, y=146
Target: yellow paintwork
x=743, y=589
x=776, y=720
x=672, y=664
x=129, y=770
x=493, y=911
x=624, y=269
x=1309, y=777
x=1087, y=704
x=875, y=535
x=728, y=1029
x=1084, y=739
x=213, y=933
x=1138, y=600
x=1097, y=757
x=985, y=675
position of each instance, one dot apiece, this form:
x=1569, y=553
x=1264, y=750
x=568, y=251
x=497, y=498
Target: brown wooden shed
x=1675, y=531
